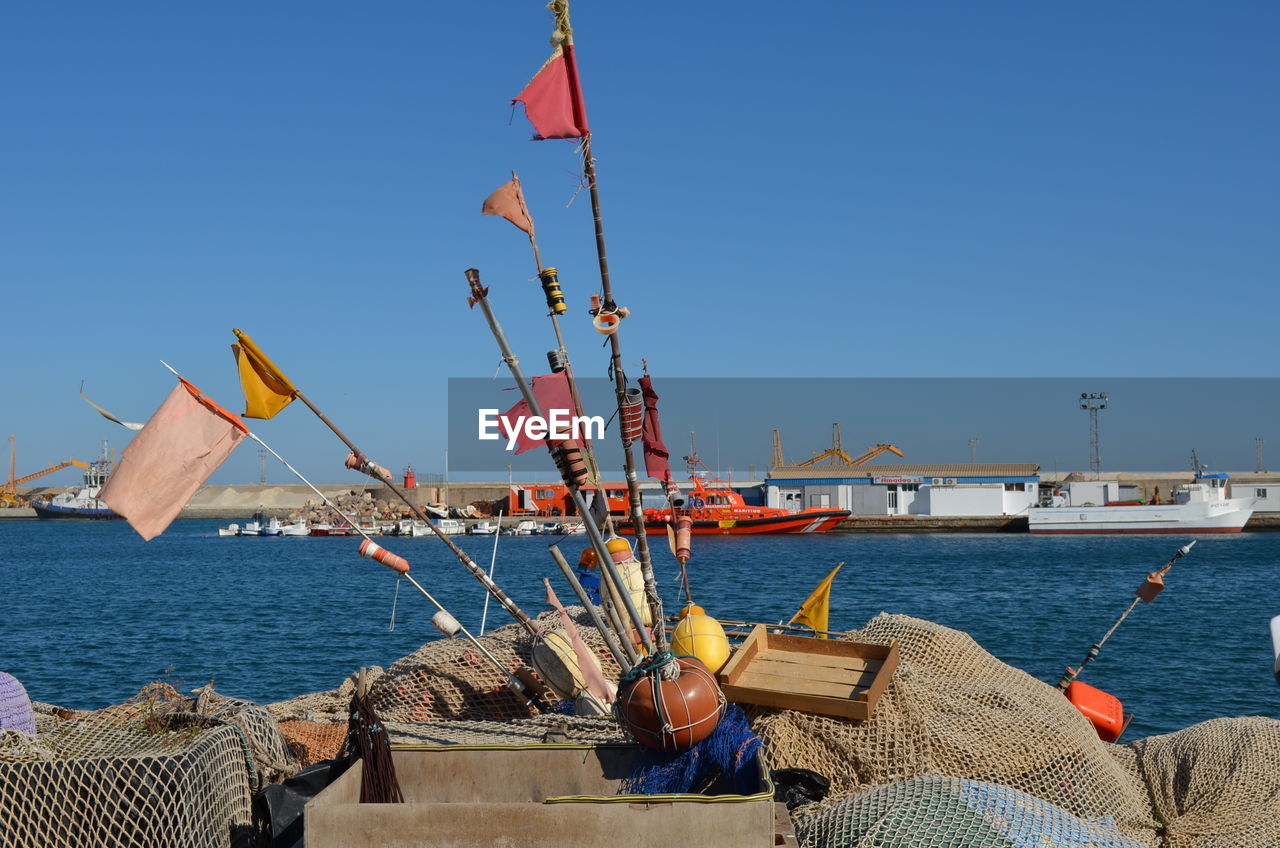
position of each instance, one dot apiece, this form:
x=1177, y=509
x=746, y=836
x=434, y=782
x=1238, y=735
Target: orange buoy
x=377, y=553
x=672, y=715
x=1103, y=709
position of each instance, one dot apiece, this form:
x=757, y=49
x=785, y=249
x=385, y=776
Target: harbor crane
x=835, y=454
x=9, y=496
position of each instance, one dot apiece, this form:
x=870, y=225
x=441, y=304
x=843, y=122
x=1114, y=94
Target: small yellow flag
x=813, y=612
x=266, y=389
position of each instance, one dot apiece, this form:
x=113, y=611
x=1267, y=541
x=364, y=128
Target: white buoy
x=1275, y=646
x=446, y=624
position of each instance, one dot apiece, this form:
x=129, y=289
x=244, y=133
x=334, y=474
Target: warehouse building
x=962, y=489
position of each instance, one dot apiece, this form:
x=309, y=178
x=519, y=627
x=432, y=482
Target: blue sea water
x=89, y=613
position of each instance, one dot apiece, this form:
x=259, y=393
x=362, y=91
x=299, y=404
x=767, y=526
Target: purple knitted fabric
x=15, y=707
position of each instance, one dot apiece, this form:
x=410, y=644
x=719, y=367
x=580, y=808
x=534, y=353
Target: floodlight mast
x=1094, y=402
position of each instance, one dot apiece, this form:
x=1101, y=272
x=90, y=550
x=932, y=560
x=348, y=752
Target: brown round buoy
x=684, y=712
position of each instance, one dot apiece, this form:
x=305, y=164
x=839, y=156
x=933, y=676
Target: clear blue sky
x=821, y=189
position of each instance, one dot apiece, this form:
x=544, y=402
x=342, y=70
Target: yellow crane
x=836, y=451
x=9, y=496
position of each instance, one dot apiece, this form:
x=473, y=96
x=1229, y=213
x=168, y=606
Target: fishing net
x=1215, y=784
x=314, y=741
x=946, y=812
x=953, y=709
x=150, y=772
x=449, y=679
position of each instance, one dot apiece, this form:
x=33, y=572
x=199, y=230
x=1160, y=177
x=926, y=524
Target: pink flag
x=552, y=392
x=553, y=98
x=186, y=439
x=657, y=460
x=507, y=201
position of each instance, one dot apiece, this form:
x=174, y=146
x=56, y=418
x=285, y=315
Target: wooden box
x=538, y=796
x=824, y=676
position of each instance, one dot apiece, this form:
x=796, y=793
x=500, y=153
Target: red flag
x=551, y=392
x=553, y=98
x=183, y=442
x=507, y=201
x=656, y=458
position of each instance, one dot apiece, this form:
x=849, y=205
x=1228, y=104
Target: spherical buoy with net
x=670, y=715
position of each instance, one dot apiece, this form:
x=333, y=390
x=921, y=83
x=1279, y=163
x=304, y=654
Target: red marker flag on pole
x=551, y=392
x=183, y=442
x=657, y=460
x=553, y=98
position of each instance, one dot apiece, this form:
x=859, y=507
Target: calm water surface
x=89, y=613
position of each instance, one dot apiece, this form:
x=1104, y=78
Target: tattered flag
x=553, y=98
x=183, y=442
x=507, y=201
x=657, y=460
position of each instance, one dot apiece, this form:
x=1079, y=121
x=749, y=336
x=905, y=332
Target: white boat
x=574, y=528
x=273, y=527
x=447, y=526
x=1198, y=507
x=297, y=528
x=415, y=528
x=523, y=528
x=483, y=528
x=254, y=527
x=229, y=530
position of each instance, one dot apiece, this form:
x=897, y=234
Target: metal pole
x=479, y=295
x=625, y=661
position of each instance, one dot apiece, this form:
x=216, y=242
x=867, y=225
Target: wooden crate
x=823, y=676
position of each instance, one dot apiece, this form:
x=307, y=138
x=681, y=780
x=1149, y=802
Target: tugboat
x=84, y=503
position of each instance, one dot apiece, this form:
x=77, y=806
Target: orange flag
x=266, y=389
x=184, y=442
x=507, y=201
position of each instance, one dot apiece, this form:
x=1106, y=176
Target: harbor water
x=90, y=613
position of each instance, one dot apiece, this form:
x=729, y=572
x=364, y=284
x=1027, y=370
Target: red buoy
x=1103, y=709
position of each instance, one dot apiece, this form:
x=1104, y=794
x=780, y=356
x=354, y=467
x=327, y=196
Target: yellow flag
x=813, y=612
x=266, y=389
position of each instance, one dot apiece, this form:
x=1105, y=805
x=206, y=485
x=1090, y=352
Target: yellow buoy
x=701, y=636
x=557, y=664
x=691, y=609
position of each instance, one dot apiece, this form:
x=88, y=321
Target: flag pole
x=479, y=295
x=477, y=572
x=561, y=10
x=578, y=409
x=512, y=681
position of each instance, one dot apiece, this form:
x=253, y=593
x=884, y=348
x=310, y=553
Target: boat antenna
x=1152, y=586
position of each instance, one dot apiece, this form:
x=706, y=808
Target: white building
x=1266, y=495
x=982, y=489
